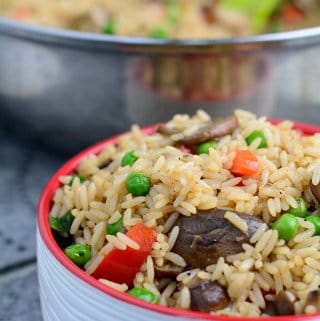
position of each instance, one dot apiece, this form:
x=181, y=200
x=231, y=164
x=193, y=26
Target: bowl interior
x=48, y=238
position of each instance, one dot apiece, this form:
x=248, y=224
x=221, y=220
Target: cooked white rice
x=184, y=183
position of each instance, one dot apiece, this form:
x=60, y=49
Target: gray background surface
x=24, y=170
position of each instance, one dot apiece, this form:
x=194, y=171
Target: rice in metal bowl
x=192, y=19
x=232, y=206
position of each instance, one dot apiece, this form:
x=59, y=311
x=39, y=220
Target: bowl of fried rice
x=193, y=219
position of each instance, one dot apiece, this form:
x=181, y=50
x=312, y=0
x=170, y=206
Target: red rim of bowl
x=47, y=236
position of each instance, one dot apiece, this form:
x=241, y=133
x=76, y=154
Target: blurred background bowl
x=67, y=89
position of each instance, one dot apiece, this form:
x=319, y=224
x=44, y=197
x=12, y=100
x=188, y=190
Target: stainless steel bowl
x=68, y=89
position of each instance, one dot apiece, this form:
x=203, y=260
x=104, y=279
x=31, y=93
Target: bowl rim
x=298, y=37
x=51, y=245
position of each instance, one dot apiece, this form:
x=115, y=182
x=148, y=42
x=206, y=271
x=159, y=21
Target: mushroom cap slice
x=167, y=271
x=208, y=296
x=315, y=191
x=313, y=299
x=281, y=306
x=207, y=236
x=216, y=128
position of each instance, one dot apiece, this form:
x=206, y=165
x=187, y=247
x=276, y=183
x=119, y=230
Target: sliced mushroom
x=208, y=13
x=105, y=164
x=208, y=296
x=315, y=191
x=282, y=305
x=313, y=299
x=270, y=308
x=207, y=236
x=216, y=128
x=162, y=283
x=167, y=271
x=164, y=130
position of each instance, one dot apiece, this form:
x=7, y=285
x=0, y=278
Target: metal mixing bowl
x=68, y=89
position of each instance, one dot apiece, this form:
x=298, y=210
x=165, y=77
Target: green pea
x=79, y=254
x=81, y=179
x=129, y=159
x=159, y=33
x=55, y=223
x=173, y=11
x=287, y=226
x=204, y=147
x=143, y=294
x=138, y=184
x=63, y=223
x=110, y=28
x=315, y=220
x=301, y=210
x=257, y=134
x=116, y=227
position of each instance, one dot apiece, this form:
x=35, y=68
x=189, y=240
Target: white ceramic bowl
x=69, y=294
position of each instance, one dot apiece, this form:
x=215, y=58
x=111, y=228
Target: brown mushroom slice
x=207, y=236
x=216, y=128
x=208, y=296
x=167, y=271
x=167, y=131
x=315, y=191
x=105, y=164
x=282, y=305
x=313, y=299
x=270, y=308
x=163, y=283
x=208, y=13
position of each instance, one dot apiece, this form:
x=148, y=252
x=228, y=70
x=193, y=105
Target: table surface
x=24, y=171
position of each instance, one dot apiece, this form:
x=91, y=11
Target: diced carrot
x=121, y=266
x=291, y=15
x=21, y=13
x=245, y=164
